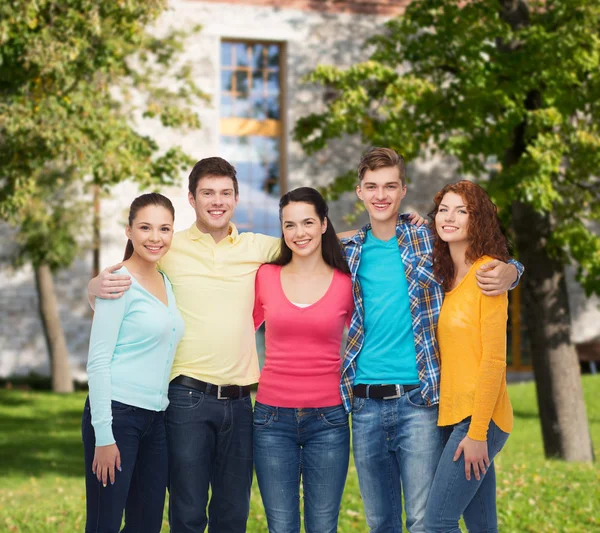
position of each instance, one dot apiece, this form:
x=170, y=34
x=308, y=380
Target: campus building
x=251, y=57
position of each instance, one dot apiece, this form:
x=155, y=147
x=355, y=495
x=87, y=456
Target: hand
x=496, y=277
x=476, y=456
x=417, y=220
x=106, y=459
x=107, y=285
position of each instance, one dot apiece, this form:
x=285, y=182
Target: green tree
x=74, y=77
x=516, y=85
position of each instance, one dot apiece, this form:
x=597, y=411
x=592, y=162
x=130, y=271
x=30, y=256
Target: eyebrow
x=150, y=223
x=304, y=220
x=388, y=183
x=444, y=205
x=213, y=190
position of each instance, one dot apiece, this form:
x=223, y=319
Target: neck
x=140, y=266
x=312, y=264
x=458, y=252
x=384, y=230
x=217, y=234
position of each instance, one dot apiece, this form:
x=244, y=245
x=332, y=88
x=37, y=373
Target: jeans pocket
x=184, y=398
x=498, y=437
x=263, y=415
x=415, y=399
x=120, y=407
x=335, y=417
x=357, y=405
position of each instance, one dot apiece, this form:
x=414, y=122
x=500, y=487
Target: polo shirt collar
x=197, y=235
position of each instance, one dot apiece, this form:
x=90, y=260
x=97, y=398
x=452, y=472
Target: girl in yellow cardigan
x=474, y=410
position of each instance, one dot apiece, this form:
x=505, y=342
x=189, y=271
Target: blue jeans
x=397, y=446
x=210, y=444
x=312, y=444
x=452, y=495
x=140, y=487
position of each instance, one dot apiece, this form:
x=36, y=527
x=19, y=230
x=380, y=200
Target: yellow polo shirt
x=214, y=287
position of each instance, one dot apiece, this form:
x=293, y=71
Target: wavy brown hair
x=484, y=230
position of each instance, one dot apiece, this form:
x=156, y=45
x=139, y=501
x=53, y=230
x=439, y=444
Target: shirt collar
x=360, y=236
x=197, y=235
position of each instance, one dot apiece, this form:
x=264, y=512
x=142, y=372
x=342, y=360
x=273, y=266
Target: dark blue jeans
x=210, y=444
x=452, y=495
x=140, y=487
x=312, y=444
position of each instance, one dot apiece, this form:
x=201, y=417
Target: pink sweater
x=302, y=364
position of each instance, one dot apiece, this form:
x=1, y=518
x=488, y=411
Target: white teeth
x=301, y=243
x=216, y=212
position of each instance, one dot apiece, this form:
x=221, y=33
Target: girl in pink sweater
x=300, y=426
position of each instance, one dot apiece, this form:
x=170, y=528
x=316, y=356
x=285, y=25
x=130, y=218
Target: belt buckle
x=219, y=396
x=394, y=396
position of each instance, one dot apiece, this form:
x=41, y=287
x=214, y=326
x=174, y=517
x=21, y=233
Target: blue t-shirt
x=388, y=353
x=132, y=345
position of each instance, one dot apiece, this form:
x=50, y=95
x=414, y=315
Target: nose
x=155, y=235
x=380, y=194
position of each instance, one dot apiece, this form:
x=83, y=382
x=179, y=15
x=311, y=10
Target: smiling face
x=302, y=228
x=214, y=202
x=382, y=192
x=151, y=232
x=452, y=219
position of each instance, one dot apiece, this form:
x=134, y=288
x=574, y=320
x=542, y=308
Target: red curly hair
x=484, y=230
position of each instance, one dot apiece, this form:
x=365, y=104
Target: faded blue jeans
x=312, y=444
x=452, y=495
x=397, y=446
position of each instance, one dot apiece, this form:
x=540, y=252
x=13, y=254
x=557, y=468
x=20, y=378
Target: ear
x=359, y=192
x=404, y=191
x=324, y=226
x=191, y=200
x=128, y=231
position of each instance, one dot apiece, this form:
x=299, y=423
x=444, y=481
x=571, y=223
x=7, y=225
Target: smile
x=302, y=244
x=381, y=207
x=450, y=228
x=216, y=213
x=153, y=249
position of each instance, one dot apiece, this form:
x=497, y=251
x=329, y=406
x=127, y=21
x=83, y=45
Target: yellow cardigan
x=471, y=334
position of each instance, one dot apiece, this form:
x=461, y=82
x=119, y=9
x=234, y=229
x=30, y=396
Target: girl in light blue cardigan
x=132, y=345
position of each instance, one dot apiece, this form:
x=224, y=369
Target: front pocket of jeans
x=357, y=405
x=185, y=399
x=263, y=416
x=417, y=394
x=335, y=418
x=119, y=407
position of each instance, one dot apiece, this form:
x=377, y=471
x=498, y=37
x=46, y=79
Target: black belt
x=382, y=392
x=222, y=392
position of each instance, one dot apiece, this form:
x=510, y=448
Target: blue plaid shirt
x=425, y=295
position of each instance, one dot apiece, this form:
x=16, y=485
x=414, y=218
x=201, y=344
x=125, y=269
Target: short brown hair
x=377, y=158
x=212, y=166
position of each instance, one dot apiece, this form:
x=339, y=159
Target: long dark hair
x=484, y=231
x=330, y=246
x=152, y=198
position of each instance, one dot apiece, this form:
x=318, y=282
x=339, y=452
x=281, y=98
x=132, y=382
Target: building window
x=251, y=129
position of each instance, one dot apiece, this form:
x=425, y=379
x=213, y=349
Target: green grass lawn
x=42, y=488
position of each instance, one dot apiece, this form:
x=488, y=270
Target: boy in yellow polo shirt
x=209, y=419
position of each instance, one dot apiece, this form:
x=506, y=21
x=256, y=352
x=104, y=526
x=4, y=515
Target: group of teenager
x=423, y=373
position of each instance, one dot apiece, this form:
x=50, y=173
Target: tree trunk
x=55, y=337
x=565, y=428
x=562, y=409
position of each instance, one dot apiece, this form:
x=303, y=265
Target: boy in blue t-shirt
x=390, y=374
